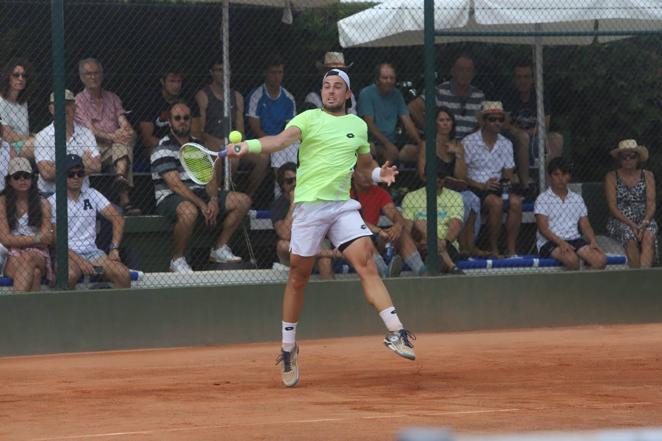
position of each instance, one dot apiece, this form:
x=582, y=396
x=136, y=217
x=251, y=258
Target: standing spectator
x=25, y=228
x=270, y=107
x=375, y=201
x=558, y=212
x=181, y=200
x=211, y=102
x=382, y=106
x=450, y=158
x=450, y=211
x=630, y=192
x=102, y=112
x=458, y=95
x=332, y=60
x=83, y=205
x=80, y=141
x=281, y=218
x=15, y=92
x=490, y=164
x=522, y=126
x=155, y=116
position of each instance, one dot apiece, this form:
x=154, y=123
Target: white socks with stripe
x=391, y=320
x=289, y=331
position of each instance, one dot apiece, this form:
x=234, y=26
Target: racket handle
x=224, y=153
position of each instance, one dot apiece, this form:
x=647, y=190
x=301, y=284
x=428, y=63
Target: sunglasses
x=19, y=75
x=181, y=117
x=289, y=181
x=493, y=119
x=76, y=174
x=21, y=175
x=629, y=156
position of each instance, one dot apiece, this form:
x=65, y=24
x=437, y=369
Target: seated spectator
x=382, y=106
x=181, y=200
x=332, y=60
x=83, y=205
x=25, y=228
x=522, y=126
x=5, y=155
x=80, y=141
x=559, y=211
x=458, y=94
x=450, y=211
x=490, y=164
x=102, y=112
x=15, y=92
x=154, y=115
x=270, y=106
x=450, y=158
x=215, y=125
x=281, y=217
x=630, y=192
x=375, y=201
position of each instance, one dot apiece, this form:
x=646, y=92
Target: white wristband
x=376, y=172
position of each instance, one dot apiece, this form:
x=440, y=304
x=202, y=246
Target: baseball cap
x=18, y=165
x=342, y=74
x=71, y=161
x=68, y=96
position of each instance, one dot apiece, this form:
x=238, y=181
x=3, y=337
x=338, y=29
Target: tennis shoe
x=398, y=342
x=180, y=265
x=223, y=255
x=290, y=368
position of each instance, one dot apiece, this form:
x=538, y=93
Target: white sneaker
x=180, y=265
x=223, y=255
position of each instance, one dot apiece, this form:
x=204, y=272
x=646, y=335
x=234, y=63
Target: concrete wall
x=73, y=321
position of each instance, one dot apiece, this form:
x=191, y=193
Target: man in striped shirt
x=458, y=95
x=181, y=200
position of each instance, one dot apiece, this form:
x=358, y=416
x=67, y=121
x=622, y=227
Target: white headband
x=339, y=73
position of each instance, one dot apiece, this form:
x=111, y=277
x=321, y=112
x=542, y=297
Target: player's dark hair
x=447, y=111
x=280, y=173
x=559, y=163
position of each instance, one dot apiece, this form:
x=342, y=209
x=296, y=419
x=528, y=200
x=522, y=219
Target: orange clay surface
x=351, y=388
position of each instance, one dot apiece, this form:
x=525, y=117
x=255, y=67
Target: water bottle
x=389, y=251
x=505, y=189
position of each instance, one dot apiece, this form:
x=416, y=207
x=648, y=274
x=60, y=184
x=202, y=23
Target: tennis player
x=332, y=144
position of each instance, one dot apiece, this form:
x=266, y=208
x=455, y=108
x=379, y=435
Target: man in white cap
x=332, y=60
x=332, y=145
x=490, y=164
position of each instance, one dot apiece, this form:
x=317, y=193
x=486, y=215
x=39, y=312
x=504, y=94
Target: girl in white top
x=14, y=94
x=25, y=228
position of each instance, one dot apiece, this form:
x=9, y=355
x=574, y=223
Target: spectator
x=450, y=211
x=270, y=107
x=490, y=164
x=80, y=141
x=558, y=212
x=25, y=228
x=215, y=126
x=375, y=201
x=181, y=200
x=83, y=205
x=281, y=217
x=382, y=106
x=458, y=95
x=450, y=157
x=102, y=112
x=630, y=192
x=522, y=126
x=332, y=60
x=4, y=163
x=154, y=117
x=15, y=91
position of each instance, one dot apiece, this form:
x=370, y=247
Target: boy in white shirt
x=560, y=215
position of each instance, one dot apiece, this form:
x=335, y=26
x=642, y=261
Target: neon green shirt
x=327, y=154
x=449, y=206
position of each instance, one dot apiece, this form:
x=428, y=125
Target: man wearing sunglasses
x=181, y=200
x=83, y=205
x=490, y=164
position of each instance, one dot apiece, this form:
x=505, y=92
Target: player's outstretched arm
x=267, y=144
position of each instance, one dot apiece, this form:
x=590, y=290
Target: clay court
x=351, y=389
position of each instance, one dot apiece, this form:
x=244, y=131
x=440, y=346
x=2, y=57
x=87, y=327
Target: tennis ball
x=234, y=137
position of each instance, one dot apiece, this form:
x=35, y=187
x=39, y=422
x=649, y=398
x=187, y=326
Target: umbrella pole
x=540, y=107
x=225, y=41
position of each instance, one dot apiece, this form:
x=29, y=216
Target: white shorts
x=340, y=221
x=288, y=154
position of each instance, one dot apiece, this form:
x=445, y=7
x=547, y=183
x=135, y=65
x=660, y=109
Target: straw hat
x=490, y=108
x=333, y=60
x=630, y=145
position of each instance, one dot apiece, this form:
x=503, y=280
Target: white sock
x=289, y=331
x=391, y=320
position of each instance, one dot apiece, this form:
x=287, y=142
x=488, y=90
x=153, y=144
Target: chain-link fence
x=128, y=62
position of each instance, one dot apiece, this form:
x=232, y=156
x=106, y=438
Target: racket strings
x=198, y=164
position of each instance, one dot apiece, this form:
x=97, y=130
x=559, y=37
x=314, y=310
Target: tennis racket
x=198, y=163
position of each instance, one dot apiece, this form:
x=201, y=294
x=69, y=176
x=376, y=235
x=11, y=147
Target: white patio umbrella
x=400, y=23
